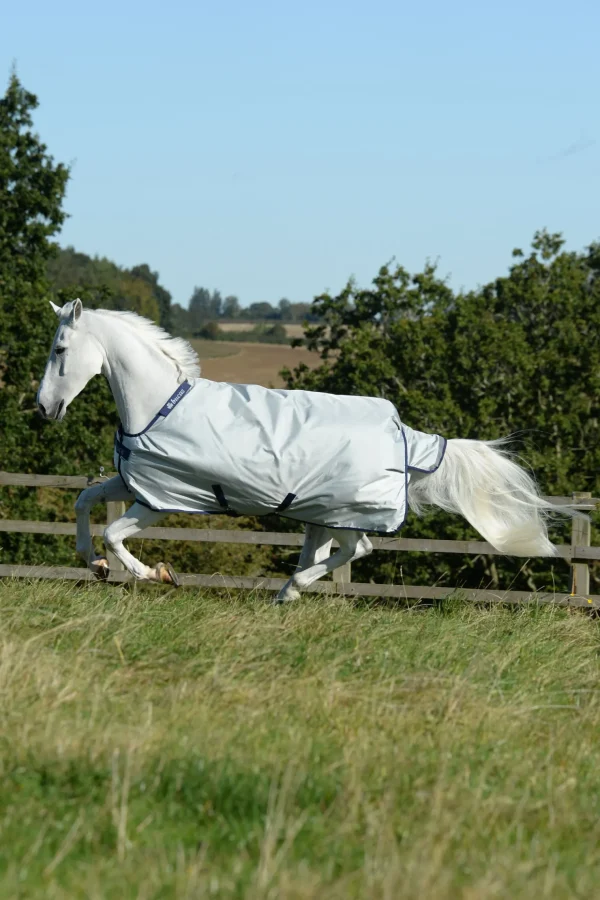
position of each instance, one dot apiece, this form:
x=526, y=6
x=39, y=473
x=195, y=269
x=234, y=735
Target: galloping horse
x=342, y=465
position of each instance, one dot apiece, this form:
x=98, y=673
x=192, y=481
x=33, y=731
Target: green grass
x=163, y=744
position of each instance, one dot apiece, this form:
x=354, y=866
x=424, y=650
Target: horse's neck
x=140, y=376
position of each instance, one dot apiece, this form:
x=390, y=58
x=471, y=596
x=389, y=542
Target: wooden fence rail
x=579, y=553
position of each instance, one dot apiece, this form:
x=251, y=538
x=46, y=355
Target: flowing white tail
x=479, y=480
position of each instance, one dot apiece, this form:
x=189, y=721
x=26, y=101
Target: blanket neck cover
x=242, y=449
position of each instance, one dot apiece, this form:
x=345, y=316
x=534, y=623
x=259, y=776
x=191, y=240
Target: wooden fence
x=579, y=553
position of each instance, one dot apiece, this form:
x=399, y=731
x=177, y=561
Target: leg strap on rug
x=222, y=500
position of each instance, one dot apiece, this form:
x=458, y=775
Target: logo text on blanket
x=175, y=398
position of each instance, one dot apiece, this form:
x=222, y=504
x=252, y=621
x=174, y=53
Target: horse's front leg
x=106, y=491
x=135, y=520
x=353, y=545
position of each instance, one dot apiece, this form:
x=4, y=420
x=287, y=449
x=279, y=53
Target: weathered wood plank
x=275, y=538
x=581, y=553
x=16, y=479
x=29, y=527
x=221, y=536
x=67, y=573
x=391, y=591
x=588, y=503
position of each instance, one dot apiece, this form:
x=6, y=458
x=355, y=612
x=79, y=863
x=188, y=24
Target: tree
x=31, y=193
x=137, y=289
x=204, y=306
x=216, y=304
x=298, y=312
x=161, y=295
x=137, y=295
x=32, y=188
x=520, y=355
x=260, y=311
x=285, y=310
x=210, y=331
x=231, y=307
x=180, y=320
x=277, y=333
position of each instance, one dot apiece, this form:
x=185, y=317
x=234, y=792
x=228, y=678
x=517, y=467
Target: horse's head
x=76, y=356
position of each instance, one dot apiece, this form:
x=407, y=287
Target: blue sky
x=274, y=149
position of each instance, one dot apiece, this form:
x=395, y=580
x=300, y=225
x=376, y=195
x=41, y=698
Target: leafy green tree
x=203, y=306
x=31, y=193
x=277, y=333
x=301, y=312
x=180, y=320
x=210, y=331
x=32, y=187
x=285, y=310
x=231, y=307
x=521, y=355
x=160, y=294
x=69, y=268
x=136, y=294
x=262, y=310
x=137, y=289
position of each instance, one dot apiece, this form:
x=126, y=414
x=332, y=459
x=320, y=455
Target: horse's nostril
x=42, y=409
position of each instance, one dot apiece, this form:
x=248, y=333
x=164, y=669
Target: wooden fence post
x=343, y=575
x=580, y=537
x=114, y=510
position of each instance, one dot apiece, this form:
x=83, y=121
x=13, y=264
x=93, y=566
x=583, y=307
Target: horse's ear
x=57, y=309
x=75, y=314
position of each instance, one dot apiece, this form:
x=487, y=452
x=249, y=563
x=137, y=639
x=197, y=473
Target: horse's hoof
x=286, y=596
x=166, y=574
x=100, y=569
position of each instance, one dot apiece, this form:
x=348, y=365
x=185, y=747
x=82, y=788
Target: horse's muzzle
x=49, y=414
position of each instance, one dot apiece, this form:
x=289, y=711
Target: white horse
x=144, y=366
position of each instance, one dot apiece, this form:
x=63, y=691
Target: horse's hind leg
x=353, y=545
x=316, y=548
x=135, y=520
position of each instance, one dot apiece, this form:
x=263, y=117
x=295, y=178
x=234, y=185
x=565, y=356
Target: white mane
x=178, y=350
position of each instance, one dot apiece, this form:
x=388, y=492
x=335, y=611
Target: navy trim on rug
x=437, y=464
x=164, y=411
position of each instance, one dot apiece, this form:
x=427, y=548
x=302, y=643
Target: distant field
x=292, y=329
x=162, y=744
x=215, y=349
x=250, y=363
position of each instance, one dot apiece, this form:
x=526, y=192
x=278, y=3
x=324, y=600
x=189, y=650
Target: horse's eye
x=59, y=350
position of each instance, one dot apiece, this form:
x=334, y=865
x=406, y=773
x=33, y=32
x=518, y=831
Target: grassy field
x=182, y=745
x=250, y=363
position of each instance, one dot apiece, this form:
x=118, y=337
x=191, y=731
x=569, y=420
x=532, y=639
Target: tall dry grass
x=179, y=744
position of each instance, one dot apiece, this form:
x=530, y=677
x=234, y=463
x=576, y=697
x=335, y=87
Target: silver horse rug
x=338, y=461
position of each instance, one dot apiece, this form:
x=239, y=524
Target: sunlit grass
x=179, y=744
